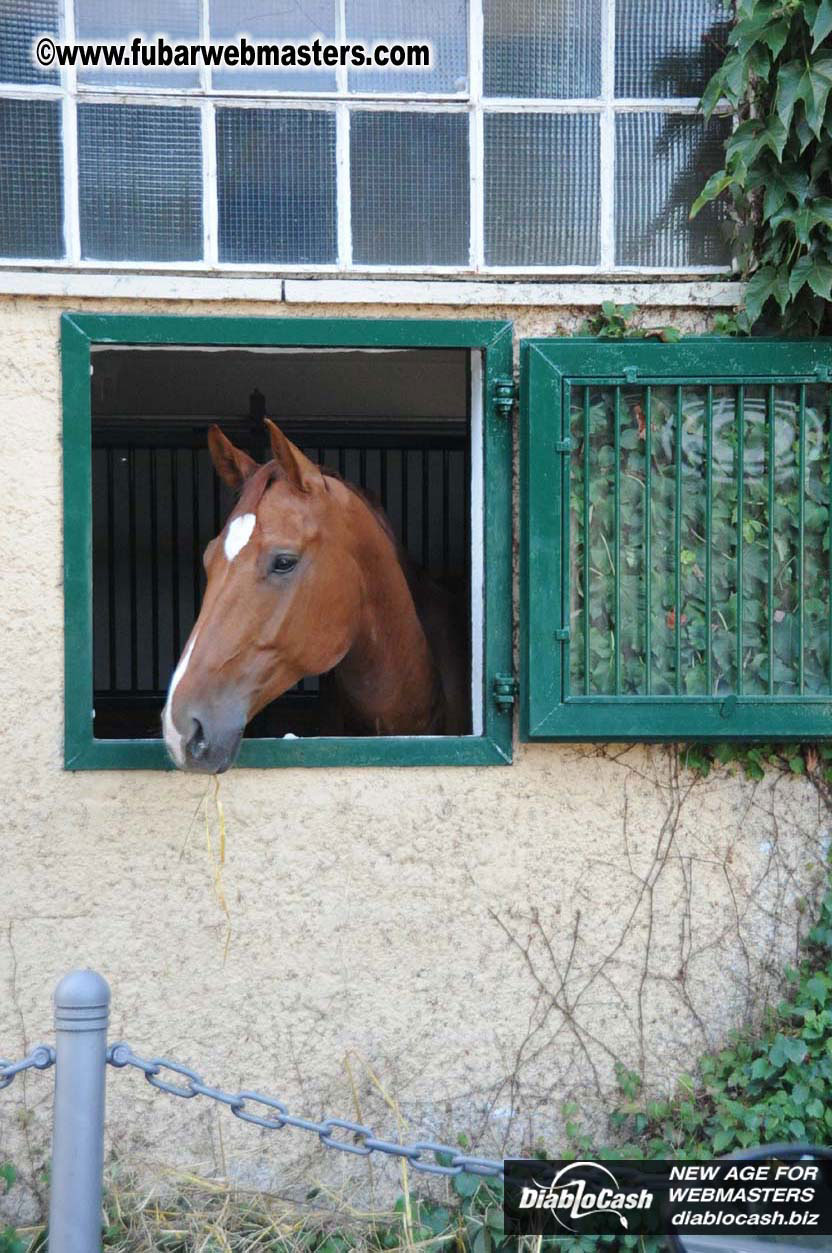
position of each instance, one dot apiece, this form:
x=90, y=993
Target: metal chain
x=41, y=1057
x=362, y=1144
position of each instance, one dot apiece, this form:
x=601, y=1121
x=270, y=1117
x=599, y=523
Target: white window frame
x=342, y=103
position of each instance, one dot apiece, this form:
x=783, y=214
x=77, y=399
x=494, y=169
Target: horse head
x=282, y=600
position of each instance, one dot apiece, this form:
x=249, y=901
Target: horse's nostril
x=197, y=744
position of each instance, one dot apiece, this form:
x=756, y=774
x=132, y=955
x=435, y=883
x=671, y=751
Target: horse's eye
x=282, y=563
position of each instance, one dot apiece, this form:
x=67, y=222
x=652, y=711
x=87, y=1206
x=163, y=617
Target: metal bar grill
x=617, y=540
x=134, y=592
x=154, y=570
x=770, y=585
x=648, y=535
x=740, y=530
x=801, y=538
x=196, y=547
x=586, y=543
x=698, y=518
x=677, y=544
x=709, y=466
x=174, y=548
x=565, y=434
x=111, y=566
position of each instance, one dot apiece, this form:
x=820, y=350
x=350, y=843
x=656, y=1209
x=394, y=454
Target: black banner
x=637, y=1198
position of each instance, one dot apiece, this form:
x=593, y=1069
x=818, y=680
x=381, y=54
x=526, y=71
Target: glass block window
x=546, y=137
x=31, y=185
x=669, y=49
x=541, y=189
x=658, y=160
x=102, y=21
x=443, y=22
x=139, y=182
x=410, y=188
x=19, y=25
x=542, y=48
x=273, y=23
x=276, y=185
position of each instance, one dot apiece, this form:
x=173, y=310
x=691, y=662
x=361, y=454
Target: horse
x=306, y=578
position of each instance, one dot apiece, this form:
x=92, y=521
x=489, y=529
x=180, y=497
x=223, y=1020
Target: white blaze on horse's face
x=172, y=737
x=238, y=534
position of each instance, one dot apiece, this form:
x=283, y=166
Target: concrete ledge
x=697, y=292
x=136, y=284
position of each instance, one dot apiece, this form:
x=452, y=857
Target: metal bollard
x=82, y=1009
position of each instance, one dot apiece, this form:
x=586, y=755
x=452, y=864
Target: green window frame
x=491, y=339
x=687, y=615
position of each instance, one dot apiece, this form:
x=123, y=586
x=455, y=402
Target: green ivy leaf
x=466, y=1185
x=768, y=281
x=800, y=274
x=819, y=279
x=715, y=89
x=775, y=35
x=796, y=1049
x=822, y=207
x=821, y=23
x=809, y=82
x=714, y=187
x=774, y=197
x=723, y=1140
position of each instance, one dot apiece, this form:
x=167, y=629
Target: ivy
x=614, y=321
x=776, y=79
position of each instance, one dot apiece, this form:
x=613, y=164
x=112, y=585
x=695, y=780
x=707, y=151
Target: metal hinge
x=505, y=394
x=564, y=445
x=631, y=373
x=562, y=634
x=506, y=688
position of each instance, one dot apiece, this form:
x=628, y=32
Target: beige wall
x=485, y=942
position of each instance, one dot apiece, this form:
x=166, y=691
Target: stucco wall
x=485, y=942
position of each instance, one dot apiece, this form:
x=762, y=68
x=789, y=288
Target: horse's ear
x=232, y=464
x=302, y=473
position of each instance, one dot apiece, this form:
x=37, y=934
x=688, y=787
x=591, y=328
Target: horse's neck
x=388, y=677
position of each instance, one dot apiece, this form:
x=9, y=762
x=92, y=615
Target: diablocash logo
x=581, y=1189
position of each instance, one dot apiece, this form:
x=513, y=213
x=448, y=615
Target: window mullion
x=210, y=210
x=341, y=71
x=69, y=126
x=343, y=188
x=607, y=137
x=476, y=135
x=343, y=198
x=210, y=213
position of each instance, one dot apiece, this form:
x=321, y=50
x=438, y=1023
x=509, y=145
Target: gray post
x=82, y=1008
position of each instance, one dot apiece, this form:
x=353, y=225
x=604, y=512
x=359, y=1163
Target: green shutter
x=676, y=539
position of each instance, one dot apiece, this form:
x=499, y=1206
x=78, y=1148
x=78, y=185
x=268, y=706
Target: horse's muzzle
x=209, y=745
x=211, y=750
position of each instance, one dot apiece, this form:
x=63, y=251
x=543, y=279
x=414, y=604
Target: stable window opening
x=413, y=426
x=394, y=424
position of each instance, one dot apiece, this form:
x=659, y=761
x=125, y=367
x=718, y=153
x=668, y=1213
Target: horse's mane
x=375, y=506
